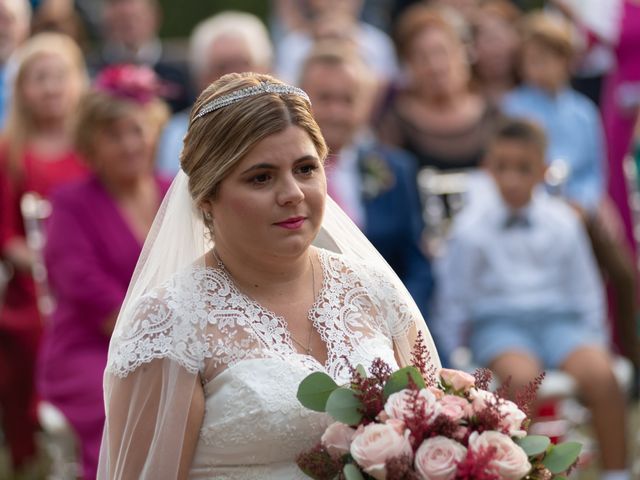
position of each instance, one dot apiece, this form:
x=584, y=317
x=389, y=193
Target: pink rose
x=436, y=392
x=397, y=405
x=399, y=425
x=438, y=457
x=510, y=462
x=337, y=439
x=376, y=444
x=458, y=380
x=454, y=407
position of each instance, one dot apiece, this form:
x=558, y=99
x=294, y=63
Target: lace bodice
x=254, y=426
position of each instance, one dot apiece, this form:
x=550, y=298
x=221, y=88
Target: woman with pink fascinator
x=94, y=237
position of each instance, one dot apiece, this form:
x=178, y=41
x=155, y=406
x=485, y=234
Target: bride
x=251, y=278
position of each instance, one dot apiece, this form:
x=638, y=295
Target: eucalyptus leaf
x=562, y=456
x=534, y=444
x=344, y=406
x=314, y=391
x=399, y=380
x=351, y=472
x=361, y=371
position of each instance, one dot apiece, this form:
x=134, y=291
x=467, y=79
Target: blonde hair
x=216, y=142
x=99, y=109
x=20, y=124
x=549, y=32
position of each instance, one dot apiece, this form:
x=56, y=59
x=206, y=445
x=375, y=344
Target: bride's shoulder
x=364, y=272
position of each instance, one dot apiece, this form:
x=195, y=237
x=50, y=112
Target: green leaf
x=314, y=391
x=533, y=444
x=351, y=472
x=562, y=456
x=400, y=380
x=361, y=371
x=344, y=406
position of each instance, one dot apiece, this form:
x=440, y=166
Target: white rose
x=512, y=418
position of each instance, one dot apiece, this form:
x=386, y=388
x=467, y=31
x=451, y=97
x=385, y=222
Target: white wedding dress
x=253, y=426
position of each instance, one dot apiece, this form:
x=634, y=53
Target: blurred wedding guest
x=36, y=154
x=576, y=137
x=224, y=43
x=130, y=35
x=436, y=115
x=616, y=25
x=336, y=19
x=496, y=42
x=375, y=185
x=60, y=16
x=94, y=237
x=520, y=277
x=15, y=17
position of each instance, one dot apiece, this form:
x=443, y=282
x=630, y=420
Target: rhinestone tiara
x=262, y=87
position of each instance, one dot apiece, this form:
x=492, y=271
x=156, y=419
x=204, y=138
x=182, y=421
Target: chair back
x=35, y=210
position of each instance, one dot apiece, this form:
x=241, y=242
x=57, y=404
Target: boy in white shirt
x=520, y=278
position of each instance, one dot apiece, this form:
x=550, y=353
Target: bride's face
x=272, y=202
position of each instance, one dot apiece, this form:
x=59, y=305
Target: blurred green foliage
x=180, y=16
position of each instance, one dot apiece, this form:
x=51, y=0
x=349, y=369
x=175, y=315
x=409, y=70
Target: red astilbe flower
x=422, y=424
x=421, y=359
x=483, y=377
x=318, y=464
x=370, y=389
x=477, y=465
x=490, y=418
x=400, y=468
x=525, y=397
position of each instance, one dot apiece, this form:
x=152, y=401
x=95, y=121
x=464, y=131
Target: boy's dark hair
x=521, y=130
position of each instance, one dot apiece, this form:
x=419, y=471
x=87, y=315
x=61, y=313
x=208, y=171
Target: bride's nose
x=289, y=191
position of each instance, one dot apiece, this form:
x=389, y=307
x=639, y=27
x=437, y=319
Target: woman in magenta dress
x=621, y=103
x=94, y=238
x=615, y=24
x=36, y=154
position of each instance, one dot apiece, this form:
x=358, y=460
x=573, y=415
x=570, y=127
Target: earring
x=208, y=216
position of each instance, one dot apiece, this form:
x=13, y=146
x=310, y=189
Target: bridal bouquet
x=419, y=424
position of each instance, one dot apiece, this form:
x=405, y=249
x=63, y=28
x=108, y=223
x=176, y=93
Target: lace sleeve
x=154, y=400
x=402, y=316
x=166, y=323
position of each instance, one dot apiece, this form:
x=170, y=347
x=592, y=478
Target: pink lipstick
x=292, y=223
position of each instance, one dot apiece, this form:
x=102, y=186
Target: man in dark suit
x=130, y=30
x=375, y=185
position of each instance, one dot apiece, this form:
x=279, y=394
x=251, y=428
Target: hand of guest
x=609, y=218
x=579, y=210
x=19, y=255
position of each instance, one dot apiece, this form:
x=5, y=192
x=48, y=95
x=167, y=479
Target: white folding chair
x=60, y=442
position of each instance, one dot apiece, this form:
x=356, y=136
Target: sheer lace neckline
x=311, y=315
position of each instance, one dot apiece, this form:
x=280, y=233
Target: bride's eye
x=260, y=179
x=307, y=169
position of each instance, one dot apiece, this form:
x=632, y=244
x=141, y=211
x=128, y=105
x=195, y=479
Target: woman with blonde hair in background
x=36, y=154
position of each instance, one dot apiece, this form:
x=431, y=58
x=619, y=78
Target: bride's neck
x=255, y=274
